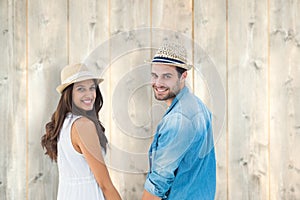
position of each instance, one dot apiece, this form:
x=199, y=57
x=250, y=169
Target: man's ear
x=183, y=76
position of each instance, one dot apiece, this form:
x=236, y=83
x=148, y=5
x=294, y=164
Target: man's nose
x=158, y=81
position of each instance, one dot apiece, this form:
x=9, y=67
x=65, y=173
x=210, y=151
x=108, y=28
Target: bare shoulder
x=87, y=137
x=84, y=124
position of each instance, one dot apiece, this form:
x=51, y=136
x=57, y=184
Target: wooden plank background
x=254, y=46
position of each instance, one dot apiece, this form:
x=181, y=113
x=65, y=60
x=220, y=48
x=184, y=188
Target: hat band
x=159, y=59
x=77, y=76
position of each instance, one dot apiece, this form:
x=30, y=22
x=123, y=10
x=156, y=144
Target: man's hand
x=149, y=196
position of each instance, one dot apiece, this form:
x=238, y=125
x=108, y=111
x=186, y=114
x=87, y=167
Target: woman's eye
x=93, y=88
x=80, y=89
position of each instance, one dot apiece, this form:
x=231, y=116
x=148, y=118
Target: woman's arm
x=85, y=140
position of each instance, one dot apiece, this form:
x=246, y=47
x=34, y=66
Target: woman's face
x=84, y=94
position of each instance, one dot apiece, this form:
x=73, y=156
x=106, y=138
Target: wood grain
x=248, y=100
x=284, y=100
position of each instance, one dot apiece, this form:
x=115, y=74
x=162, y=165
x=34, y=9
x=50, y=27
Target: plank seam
x=269, y=113
x=227, y=110
x=27, y=128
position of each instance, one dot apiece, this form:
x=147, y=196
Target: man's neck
x=169, y=101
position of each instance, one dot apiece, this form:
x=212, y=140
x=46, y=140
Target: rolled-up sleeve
x=175, y=135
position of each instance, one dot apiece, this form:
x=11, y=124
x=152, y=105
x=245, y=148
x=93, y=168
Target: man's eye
x=167, y=76
x=153, y=75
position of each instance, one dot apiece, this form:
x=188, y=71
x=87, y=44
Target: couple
x=181, y=156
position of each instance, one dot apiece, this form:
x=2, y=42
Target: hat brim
x=61, y=87
x=184, y=66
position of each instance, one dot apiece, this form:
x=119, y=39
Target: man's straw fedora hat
x=75, y=73
x=173, y=54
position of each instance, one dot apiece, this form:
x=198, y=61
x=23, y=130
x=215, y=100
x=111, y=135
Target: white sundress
x=76, y=180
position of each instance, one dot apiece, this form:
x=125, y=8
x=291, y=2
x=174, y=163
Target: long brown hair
x=65, y=106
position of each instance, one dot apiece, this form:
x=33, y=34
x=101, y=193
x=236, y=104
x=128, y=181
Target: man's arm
x=166, y=156
x=148, y=196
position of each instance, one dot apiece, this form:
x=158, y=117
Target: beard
x=167, y=94
x=165, y=97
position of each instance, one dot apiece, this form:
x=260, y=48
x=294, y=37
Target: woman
x=75, y=138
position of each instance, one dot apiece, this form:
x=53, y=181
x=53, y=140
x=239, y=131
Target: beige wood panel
x=284, y=93
x=210, y=52
x=88, y=27
x=5, y=97
x=130, y=96
x=248, y=176
x=175, y=15
x=130, y=123
x=47, y=54
x=13, y=100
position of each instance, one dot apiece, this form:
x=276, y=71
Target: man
x=181, y=156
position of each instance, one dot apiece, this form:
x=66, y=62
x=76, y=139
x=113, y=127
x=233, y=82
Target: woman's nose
x=89, y=93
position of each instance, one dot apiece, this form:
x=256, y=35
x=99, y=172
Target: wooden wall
x=253, y=45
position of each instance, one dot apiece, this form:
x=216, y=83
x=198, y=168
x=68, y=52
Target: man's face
x=165, y=82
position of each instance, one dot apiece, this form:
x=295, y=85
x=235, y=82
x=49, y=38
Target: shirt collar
x=183, y=91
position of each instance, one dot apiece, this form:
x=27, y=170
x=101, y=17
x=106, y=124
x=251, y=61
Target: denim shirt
x=181, y=156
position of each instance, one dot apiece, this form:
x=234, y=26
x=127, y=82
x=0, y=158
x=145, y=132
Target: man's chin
x=162, y=98
x=159, y=98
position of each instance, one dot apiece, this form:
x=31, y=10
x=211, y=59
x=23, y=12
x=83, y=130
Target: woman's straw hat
x=75, y=73
x=172, y=54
